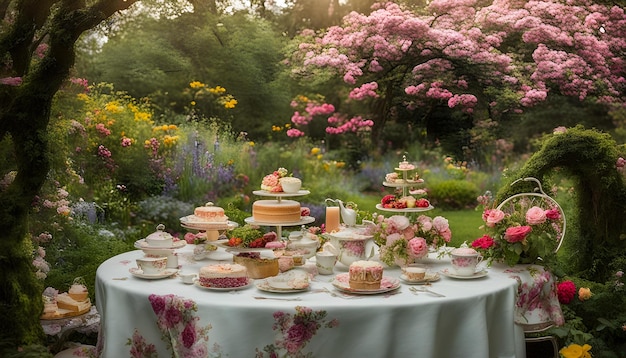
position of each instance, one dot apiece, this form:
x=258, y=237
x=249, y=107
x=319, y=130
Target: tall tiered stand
x=404, y=184
x=279, y=196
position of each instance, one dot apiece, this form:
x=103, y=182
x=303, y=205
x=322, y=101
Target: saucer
x=135, y=271
x=342, y=283
x=142, y=244
x=477, y=274
x=430, y=277
x=197, y=284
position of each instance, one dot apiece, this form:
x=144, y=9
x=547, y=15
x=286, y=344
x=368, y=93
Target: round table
x=474, y=319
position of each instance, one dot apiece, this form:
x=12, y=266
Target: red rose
x=566, y=291
x=553, y=214
x=517, y=233
x=484, y=242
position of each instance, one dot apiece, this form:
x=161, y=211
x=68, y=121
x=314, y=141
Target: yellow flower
x=82, y=96
x=576, y=351
x=340, y=164
x=142, y=116
x=196, y=84
x=276, y=128
x=172, y=127
x=217, y=90
x=113, y=107
x=251, y=143
x=315, y=151
x=230, y=104
x=584, y=293
x=193, y=103
x=320, y=156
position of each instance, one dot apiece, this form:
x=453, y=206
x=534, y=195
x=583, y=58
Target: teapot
x=350, y=245
x=348, y=215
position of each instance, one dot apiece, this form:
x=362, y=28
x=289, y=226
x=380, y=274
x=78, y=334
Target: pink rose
x=484, y=242
x=517, y=233
x=398, y=222
x=425, y=222
x=492, y=217
x=440, y=224
x=190, y=238
x=393, y=238
x=417, y=247
x=535, y=216
x=553, y=214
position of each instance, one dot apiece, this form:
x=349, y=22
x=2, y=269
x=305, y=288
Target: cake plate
x=303, y=221
x=280, y=195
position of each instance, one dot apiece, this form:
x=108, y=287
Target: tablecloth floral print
x=178, y=323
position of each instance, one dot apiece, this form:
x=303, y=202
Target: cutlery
x=339, y=295
x=415, y=290
x=278, y=299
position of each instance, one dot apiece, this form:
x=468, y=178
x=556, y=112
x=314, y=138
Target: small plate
x=430, y=277
x=342, y=283
x=477, y=274
x=142, y=244
x=263, y=285
x=194, y=222
x=197, y=284
x=289, y=281
x=135, y=271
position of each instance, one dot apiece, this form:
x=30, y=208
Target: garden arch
x=596, y=245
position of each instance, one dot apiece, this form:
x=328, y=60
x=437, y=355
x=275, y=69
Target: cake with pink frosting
x=223, y=276
x=365, y=275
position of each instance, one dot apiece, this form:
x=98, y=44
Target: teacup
x=152, y=265
x=188, y=277
x=325, y=262
x=414, y=272
x=464, y=261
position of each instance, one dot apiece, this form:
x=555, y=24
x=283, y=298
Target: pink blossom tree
x=477, y=57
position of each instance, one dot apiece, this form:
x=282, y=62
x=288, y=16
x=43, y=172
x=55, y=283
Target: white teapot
x=350, y=245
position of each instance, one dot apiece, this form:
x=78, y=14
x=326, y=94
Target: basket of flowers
x=525, y=228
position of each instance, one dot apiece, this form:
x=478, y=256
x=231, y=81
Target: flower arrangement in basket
x=404, y=239
x=523, y=229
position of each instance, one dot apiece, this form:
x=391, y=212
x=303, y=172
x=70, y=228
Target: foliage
x=453, y=194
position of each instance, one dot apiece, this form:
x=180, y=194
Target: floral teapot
x=350, y=245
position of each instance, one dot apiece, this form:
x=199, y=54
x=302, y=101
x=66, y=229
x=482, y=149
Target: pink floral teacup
x=151, y=265
x=465, y=260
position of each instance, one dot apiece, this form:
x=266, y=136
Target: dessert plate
x=477, y=274
x=142, y=244
x=263, y=285
x=197, y=284
x=194, y=222
x=430, y=277
x=135, y=271
x=290, y=281
x=342, y=283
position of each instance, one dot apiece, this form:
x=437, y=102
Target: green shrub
x=453, y=194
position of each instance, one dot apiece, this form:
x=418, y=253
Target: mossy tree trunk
x=589, y=158
x=26, y=94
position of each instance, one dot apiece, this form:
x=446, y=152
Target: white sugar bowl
x=160, y=238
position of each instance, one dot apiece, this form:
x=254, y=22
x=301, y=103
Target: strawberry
x=422, y=203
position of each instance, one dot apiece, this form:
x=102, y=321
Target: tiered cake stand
x=213, y=230
x=405, y=183
x=278, y=196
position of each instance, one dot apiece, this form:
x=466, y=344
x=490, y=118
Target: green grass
x=463, y=223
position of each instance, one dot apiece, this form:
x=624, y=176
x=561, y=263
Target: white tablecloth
x=140, y=317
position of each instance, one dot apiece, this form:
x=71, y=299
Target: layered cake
x=276, y=212
x=365, y=275
x=210, y=213
x=257, y=266
x=223, y=276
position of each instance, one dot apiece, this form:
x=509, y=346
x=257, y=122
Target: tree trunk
x=24, y=118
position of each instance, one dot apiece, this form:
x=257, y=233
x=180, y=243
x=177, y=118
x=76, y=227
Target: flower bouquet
x=402, y=240
x=524, y=229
